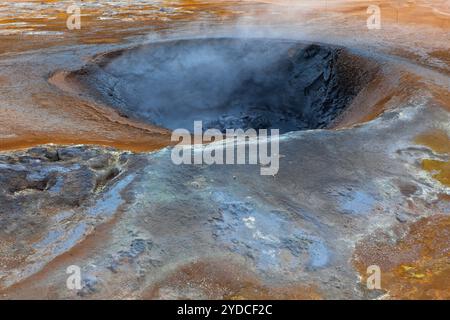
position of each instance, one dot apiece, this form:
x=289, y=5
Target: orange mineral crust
x=416, y=265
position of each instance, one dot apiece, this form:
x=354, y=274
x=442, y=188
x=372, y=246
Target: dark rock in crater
x=230, y=83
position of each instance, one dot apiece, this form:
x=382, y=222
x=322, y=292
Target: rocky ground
x=83, y=184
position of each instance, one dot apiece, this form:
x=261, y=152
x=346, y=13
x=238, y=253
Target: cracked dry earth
x=86, y=176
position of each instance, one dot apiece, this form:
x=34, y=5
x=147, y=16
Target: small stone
x=401, y=217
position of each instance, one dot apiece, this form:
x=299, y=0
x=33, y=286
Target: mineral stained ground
x=86, y=177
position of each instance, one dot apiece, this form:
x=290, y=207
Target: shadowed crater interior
x=229, y=83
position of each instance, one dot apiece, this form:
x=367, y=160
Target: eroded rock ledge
x=52, y=197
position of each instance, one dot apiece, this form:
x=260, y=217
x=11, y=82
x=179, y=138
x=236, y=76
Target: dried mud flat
x=86, y=179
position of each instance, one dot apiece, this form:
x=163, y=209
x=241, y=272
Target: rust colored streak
x=220, y=279
x=134, y=144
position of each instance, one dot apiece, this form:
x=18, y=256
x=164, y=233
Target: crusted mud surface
x=86, y=176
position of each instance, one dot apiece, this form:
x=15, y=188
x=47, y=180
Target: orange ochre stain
x=438, y=141
x=141, y=144
x=416, y=266
x=440, y=170
x=215, y=278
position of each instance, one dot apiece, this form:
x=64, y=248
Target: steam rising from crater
x=229, y=83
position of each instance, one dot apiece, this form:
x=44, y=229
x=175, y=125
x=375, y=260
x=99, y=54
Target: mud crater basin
x=229, y=83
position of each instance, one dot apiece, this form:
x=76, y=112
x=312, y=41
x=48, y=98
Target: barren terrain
x=86, y=176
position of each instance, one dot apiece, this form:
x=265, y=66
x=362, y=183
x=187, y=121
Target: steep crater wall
x=229, y=83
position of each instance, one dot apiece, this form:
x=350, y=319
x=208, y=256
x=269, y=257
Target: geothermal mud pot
x=230, y=83
x=363, y=176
